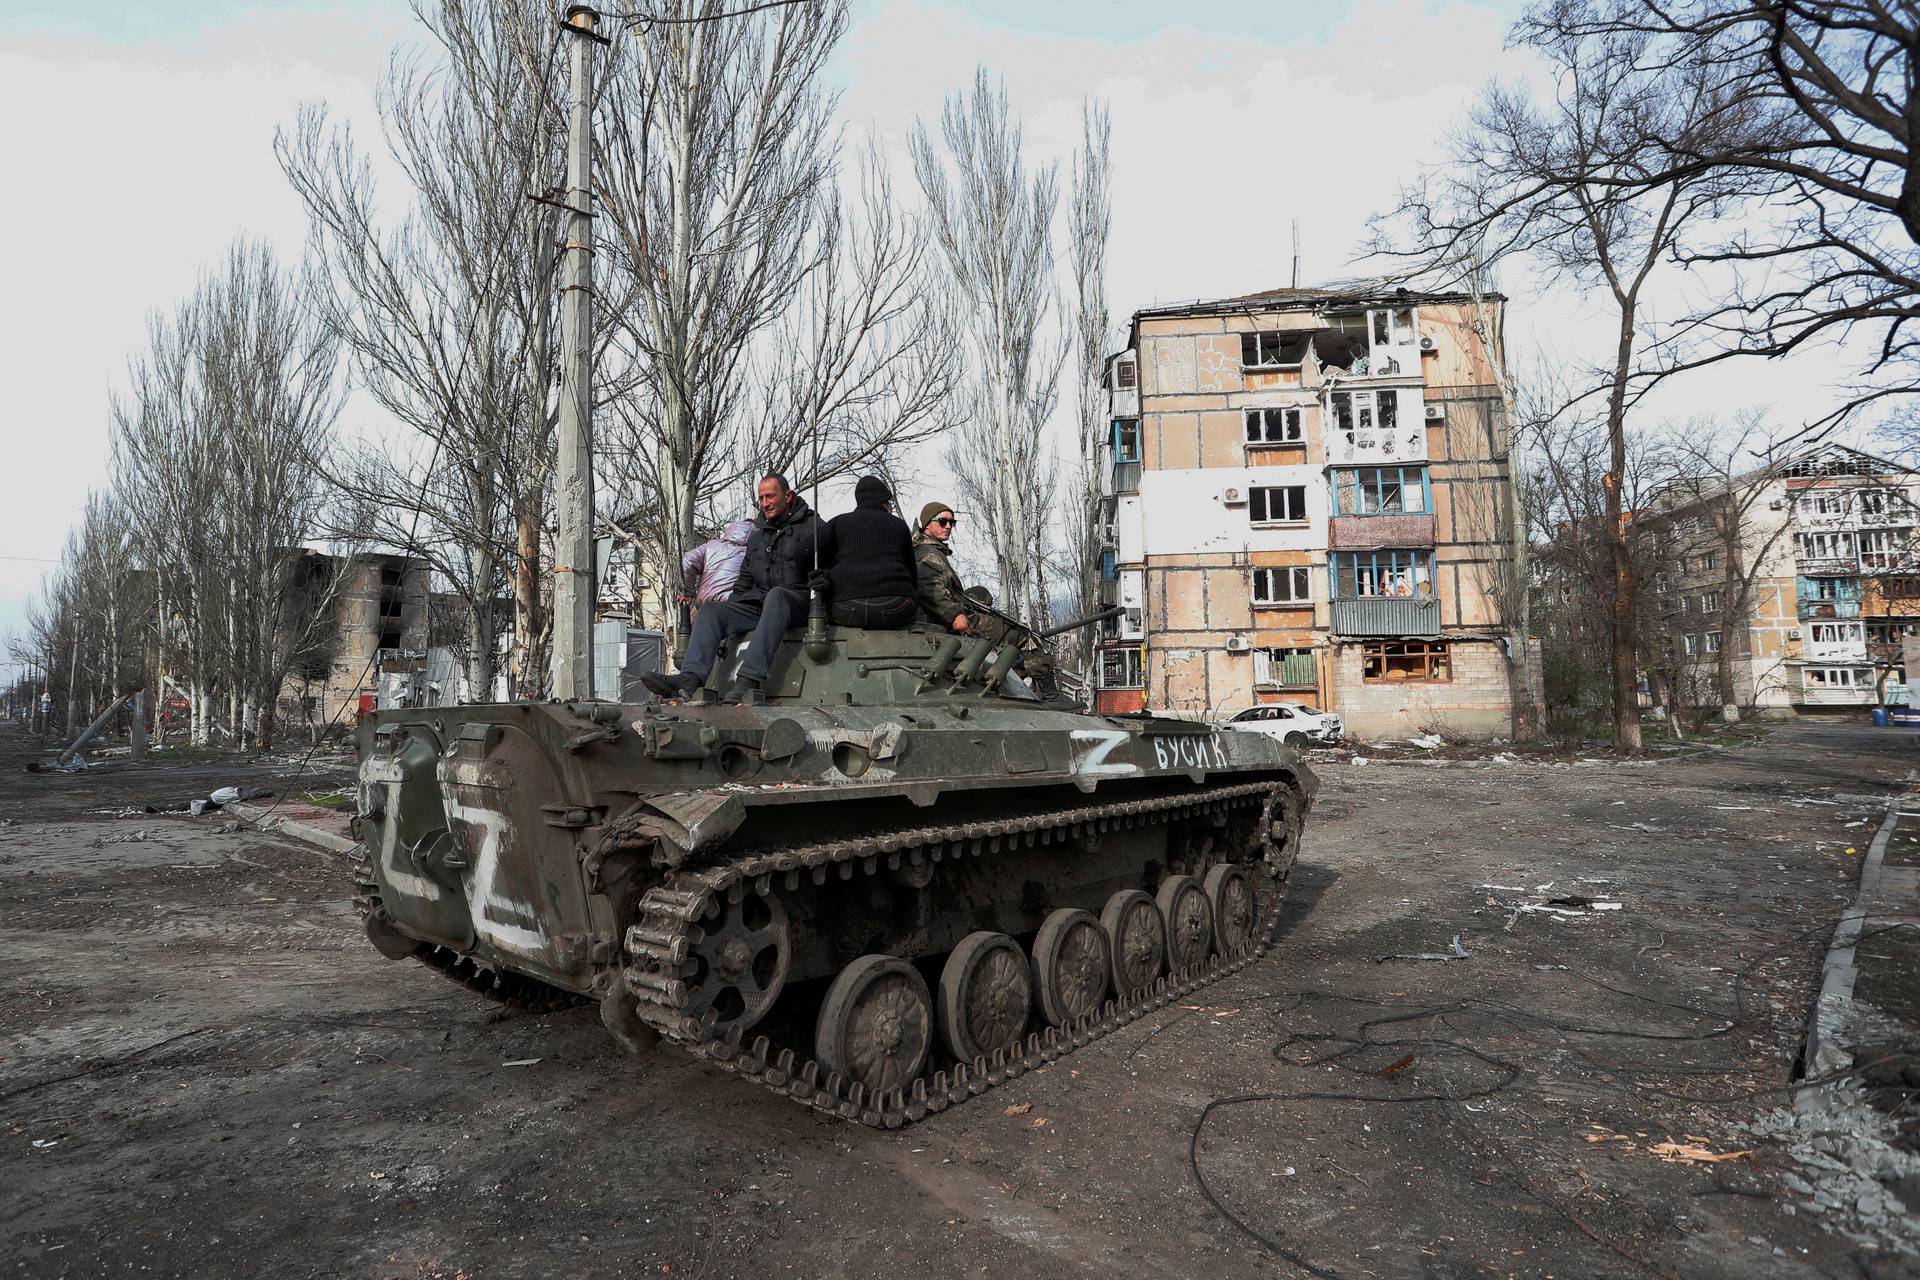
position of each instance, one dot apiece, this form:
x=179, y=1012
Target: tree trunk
x=529, y=669
x=480, y=637
x=1626, y=632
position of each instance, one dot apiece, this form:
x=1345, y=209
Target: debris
x=1359, y=759
x=1693, y=1153
x=45, y=1144
x=1733, y=806
x=1018, y=1109
x=523, y=1062
x=1544, y=967
x=1428, y=741
x=1396, y=1068
x=1458, y=953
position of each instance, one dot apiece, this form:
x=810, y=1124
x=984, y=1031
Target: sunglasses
x=946, y=521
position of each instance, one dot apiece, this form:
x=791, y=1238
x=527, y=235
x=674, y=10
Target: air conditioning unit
x=1793, y=633
x=1776, y=505
x=1427, y=343
x=1234, y=497
x=1436, y=413
x=1238, y=644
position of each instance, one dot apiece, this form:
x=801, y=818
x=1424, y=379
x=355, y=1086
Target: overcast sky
x=139, y=143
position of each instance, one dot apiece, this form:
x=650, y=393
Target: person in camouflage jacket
x=944, y=599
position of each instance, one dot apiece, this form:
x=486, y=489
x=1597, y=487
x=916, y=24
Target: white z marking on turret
x=403, y=881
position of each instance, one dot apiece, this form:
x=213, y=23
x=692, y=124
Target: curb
x=305, y=832
x=1826, y=1051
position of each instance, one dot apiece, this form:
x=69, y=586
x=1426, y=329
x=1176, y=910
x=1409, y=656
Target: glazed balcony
x=1410, y=616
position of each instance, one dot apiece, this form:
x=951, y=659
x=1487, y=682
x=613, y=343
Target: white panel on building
x=1216, y=509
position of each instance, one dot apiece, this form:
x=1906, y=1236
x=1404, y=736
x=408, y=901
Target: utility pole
x=574, y=579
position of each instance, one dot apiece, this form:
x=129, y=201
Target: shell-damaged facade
x=889, y=887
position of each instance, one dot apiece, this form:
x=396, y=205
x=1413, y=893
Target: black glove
x=819, y=582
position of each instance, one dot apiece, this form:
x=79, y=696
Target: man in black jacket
x=767, y=597
x=867, y=560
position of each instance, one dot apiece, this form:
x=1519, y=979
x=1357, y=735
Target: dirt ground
x=206, y=1071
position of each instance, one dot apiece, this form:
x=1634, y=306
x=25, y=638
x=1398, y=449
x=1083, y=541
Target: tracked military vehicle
x=894, y=884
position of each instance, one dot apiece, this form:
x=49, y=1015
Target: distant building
x=1307, y=499
x=377, y=626
x=1822, y=547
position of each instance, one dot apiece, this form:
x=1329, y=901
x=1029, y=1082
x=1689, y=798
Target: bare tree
x=1089, y=222
x=449, y=312
x=236, y=397
x=994, y=225
x=1560, y=185
x=1813, y=105
x=716, y=179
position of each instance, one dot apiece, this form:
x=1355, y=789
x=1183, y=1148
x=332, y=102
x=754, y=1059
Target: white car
x=1290, y=722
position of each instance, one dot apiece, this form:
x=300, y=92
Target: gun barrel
x=1087, y=621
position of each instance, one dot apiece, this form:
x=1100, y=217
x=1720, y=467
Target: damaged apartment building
x=1308, y=501
x=1799, y=581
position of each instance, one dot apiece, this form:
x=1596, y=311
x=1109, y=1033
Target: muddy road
x=206, y=1071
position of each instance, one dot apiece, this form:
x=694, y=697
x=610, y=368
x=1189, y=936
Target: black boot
x=678, y=686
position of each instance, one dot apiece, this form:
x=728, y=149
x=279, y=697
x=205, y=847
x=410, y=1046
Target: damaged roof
x=1337, y=293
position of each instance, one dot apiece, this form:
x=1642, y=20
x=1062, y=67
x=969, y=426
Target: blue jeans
x=768, y=621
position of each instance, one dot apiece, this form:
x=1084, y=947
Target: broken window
x=1290, y=585
x=1825, y=546
x=1284, y=669
x=1835, y=677
x=1406, y=660
x=1125, y=375
x=1274, y=426
x=1375, y=491
x=1821, y=502
x=1273, y=350
x=1126, y=439
x=1901, y=588
x=1122, y=668
x=1886, y=548
x=1397, y=572
x=1287, y=502
x=1343, y=345
x=1358, y=412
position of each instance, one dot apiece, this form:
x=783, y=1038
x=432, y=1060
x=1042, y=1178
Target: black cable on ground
x=1362, y=1039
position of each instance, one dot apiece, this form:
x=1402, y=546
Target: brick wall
x=1473, y=703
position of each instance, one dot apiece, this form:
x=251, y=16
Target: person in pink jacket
x=708, y=571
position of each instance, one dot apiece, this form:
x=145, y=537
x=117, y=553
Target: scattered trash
x=1359, y=759
x=1018, y=1109
x=223, y=796
x=1733, y=806
x=523, y=1062
x=1428, y=741
x=1545, y=967
x=45, y=1144
x=1395, y=1068
x=1458, y=953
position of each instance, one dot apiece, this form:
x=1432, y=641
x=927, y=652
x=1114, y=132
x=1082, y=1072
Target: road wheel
x=1070, y=965
x=986, y=993
x=741, y=961
x=1137, y=937
x=1230, y=894
x=1298, y=741
x=1189, y=918
x=876, y=1024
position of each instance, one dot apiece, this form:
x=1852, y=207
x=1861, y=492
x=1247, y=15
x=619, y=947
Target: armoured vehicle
x=890, y=886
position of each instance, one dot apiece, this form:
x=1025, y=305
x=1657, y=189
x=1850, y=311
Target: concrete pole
x=137, y=736
x=573, y=576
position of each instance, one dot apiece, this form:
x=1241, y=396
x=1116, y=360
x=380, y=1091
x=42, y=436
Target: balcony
x=1125, y=478
x=1370, y=446
x=1412, y=616
x=1827, y=567
x=1811, y=609
x=1371, y=533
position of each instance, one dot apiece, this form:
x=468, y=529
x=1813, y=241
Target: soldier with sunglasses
x=946, y=601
